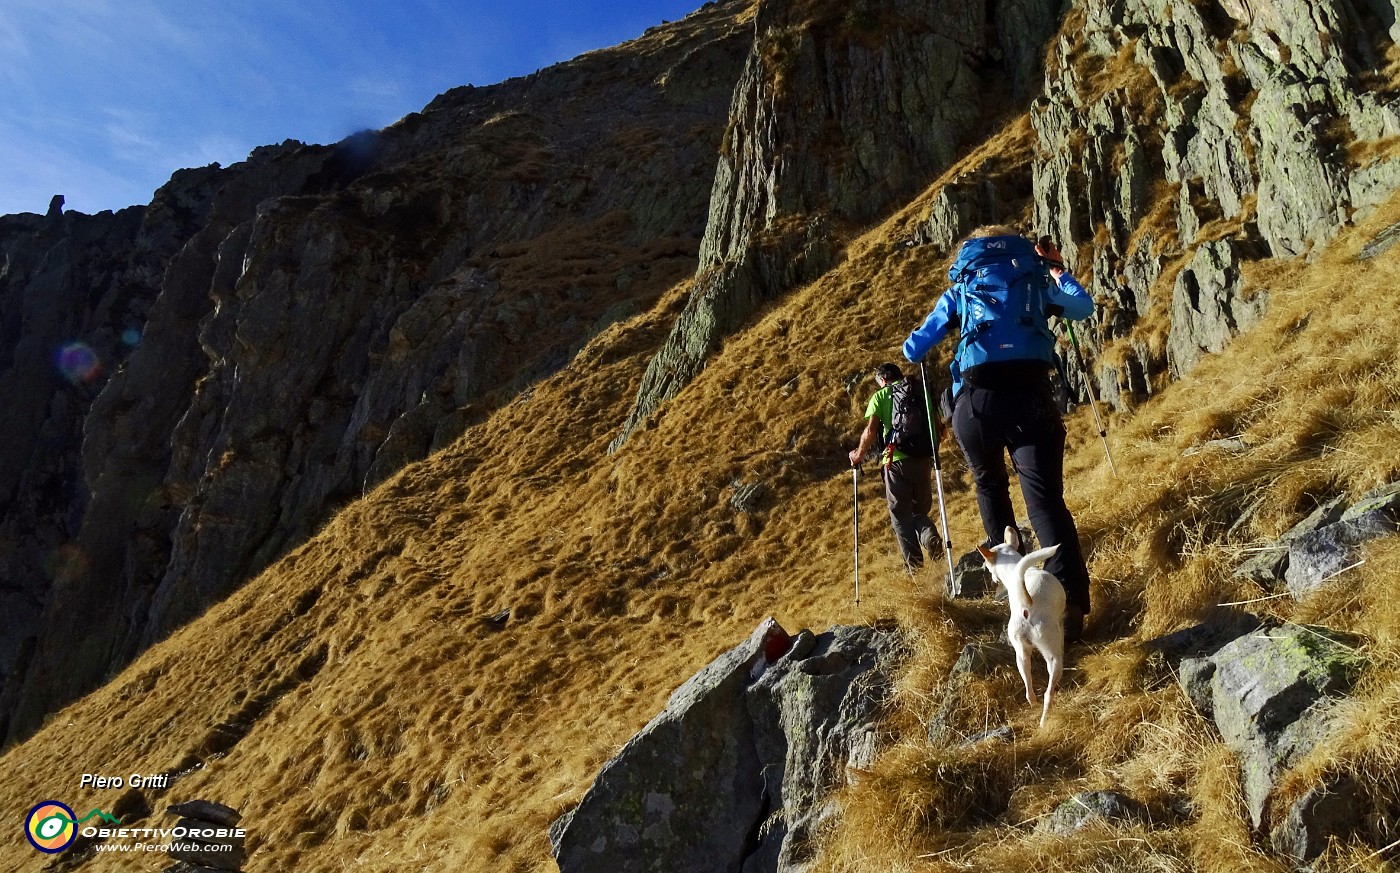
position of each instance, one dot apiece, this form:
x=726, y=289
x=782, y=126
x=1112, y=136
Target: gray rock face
x=1384, y=241
x=1325, y=543
x=971, y=578
x=841, y=110
x=77, y=294
x=277, y=336
x=813, y=718
x=1269, y=565
x=1239, y=111
x=1207, y=307
x=1268, y=694
x=734, y=774
x=1324, y=812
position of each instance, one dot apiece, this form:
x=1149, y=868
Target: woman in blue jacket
x=999, y=302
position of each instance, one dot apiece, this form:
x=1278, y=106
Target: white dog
x=1037, y=609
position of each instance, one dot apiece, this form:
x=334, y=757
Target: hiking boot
x=928, y=541
x=1074, y=623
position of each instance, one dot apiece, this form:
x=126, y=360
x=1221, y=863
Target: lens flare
x=78, y=362
x=67, y=562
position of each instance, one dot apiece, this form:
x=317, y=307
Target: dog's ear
x=1013, y=539
x=987, y=555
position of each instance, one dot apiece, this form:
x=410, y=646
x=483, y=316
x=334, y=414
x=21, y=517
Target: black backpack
x=909, y=431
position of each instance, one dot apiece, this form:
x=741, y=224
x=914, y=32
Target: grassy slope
x=372, y=717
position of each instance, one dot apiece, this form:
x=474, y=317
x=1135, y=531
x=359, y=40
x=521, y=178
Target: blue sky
x=101, y=100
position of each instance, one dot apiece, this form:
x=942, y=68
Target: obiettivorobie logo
x=52, y=827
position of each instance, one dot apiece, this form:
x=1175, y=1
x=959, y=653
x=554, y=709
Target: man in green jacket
x=908, y=489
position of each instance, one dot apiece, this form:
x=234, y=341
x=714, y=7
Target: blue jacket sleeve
x=1071, y=296
x=934, y=328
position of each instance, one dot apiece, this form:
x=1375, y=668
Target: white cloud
x=376, y=90
x=13, y=46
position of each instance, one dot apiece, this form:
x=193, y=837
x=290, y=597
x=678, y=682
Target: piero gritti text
x=135, y=780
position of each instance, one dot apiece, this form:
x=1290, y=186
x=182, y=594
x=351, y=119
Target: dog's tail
x=1039, y=556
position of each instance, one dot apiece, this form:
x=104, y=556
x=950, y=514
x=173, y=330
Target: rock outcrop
x=265, y=341
x=1242, y=115
x=840, y=113
x=1268, y=693
x=735, y=773
x=1326, y=543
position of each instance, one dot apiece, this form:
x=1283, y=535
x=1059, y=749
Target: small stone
x=1323, y=812
x=1087, y=807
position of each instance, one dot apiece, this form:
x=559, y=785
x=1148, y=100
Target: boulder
x=1268, y=566
x=1316, y=556
x=984, y=658
x=814, y=717
x=1268, y=694
x=1380, y=244
x=971, y=578
x=207, y=811
x=735, y=773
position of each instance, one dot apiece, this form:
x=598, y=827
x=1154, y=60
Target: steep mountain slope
x=437, y=673
x=267, y=341
x=361, y=706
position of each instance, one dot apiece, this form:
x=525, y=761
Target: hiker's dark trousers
x=1024, y=422
x=910, y=497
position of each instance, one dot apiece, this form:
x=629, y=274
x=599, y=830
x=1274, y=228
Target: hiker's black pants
x=910, y=497
x=1025, y=422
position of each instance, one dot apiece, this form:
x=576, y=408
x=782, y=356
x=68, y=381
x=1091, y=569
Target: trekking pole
x=937, y=474
x=855, y=506
x=1046, y=243
x=1089, y=386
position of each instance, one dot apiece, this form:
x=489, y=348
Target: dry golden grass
x=389, y=724
x=1315, y=392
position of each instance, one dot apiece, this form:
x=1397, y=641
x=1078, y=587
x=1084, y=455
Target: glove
x=1045, y=247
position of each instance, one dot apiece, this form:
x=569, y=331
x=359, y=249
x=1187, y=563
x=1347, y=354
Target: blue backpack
x=1002, y=286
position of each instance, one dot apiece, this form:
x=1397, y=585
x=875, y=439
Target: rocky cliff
x=193, y=387
x=841, y=113
x=1176, y=140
